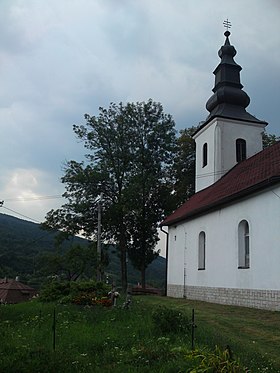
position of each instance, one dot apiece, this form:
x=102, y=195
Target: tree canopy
x=71, y=264
x=142, y=172
x=184, y=167
x=129, y=160
x=269, y=139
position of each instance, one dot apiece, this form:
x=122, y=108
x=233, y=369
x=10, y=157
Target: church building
x=224, y=242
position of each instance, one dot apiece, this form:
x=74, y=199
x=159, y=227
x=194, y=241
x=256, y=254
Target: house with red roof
x=14, y=291
x=224, y=242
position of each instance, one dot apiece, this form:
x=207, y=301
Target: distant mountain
x=22, y=242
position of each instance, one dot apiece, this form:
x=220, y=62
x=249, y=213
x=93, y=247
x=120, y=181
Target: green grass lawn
x=117, y=340
x=253, y=335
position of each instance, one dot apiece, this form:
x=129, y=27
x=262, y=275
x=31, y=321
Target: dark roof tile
x=12, y=291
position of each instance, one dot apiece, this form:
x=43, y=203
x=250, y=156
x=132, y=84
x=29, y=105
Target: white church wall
x=205, y=175
x=231, y=131
x=176, y=255
x=221, y=257
x=220, y=135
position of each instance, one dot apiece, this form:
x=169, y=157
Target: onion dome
x=228, y=100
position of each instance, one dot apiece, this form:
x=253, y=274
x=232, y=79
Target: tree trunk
x=143, y=277
x=122, y=243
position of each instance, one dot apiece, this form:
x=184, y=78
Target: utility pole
x=99, y=211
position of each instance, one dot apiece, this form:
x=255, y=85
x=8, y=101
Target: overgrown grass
x=94, y=339
x=253, y=335
x=102, y=339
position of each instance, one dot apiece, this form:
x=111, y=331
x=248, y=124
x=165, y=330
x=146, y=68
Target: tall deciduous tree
x=153, y=158
x=184, y=168
x=129, y=148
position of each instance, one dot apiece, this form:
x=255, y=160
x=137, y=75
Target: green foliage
x=100, y=339
x=24, y=246
x=54, y=290
x=153, y=149
x=170, y=320
x=155, y=273
x=130, y=159
x=21, y=245
x=90, y=299
x=71, y=264
x=184, y=168
x=219, y=361
x=251, y=333
x=68, y=291
x=269, y=139
x=97, y=339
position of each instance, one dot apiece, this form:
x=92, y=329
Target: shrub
x=90, y=299
x=100, y=289
x=219, y=361
x=54, y=291
x=170, y=320
x=79, y=292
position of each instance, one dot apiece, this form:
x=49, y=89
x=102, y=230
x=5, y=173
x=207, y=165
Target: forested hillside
x=22, y=243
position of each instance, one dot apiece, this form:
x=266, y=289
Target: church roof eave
x=246, y=178
x=243, y=117
x=223, y=202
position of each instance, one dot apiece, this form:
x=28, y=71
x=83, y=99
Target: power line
x=19, y=199
x=35, y=240
x=207, y=174
x=217, y=173
x=18, y=213
x=52, y=231
x=39, y=198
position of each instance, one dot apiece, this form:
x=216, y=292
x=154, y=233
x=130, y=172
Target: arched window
x=201, y=250
x=240, y=150
x=204, y=155
x=243, y=245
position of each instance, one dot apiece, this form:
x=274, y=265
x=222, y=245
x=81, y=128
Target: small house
x=13, y=291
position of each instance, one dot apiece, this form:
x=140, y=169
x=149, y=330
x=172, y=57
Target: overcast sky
x=60, y=59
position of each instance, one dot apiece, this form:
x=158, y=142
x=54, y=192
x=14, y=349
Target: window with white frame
x=201, y=250
x=243, y=245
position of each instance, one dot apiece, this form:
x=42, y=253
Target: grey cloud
x=61, y=59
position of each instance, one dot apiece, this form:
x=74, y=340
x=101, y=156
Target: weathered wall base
x=263, y=299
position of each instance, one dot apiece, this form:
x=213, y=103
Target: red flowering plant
x=90, y=299
x=105, y=302
x=84, y=299
x=90, y=294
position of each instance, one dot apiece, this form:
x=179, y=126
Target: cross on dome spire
x=227, y=25
x=228, y=100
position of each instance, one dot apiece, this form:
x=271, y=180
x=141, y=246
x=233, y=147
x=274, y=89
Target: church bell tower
x=230, y=134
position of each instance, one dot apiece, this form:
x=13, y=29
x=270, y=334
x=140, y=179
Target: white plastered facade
x=222, y=281
x=220, y=135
